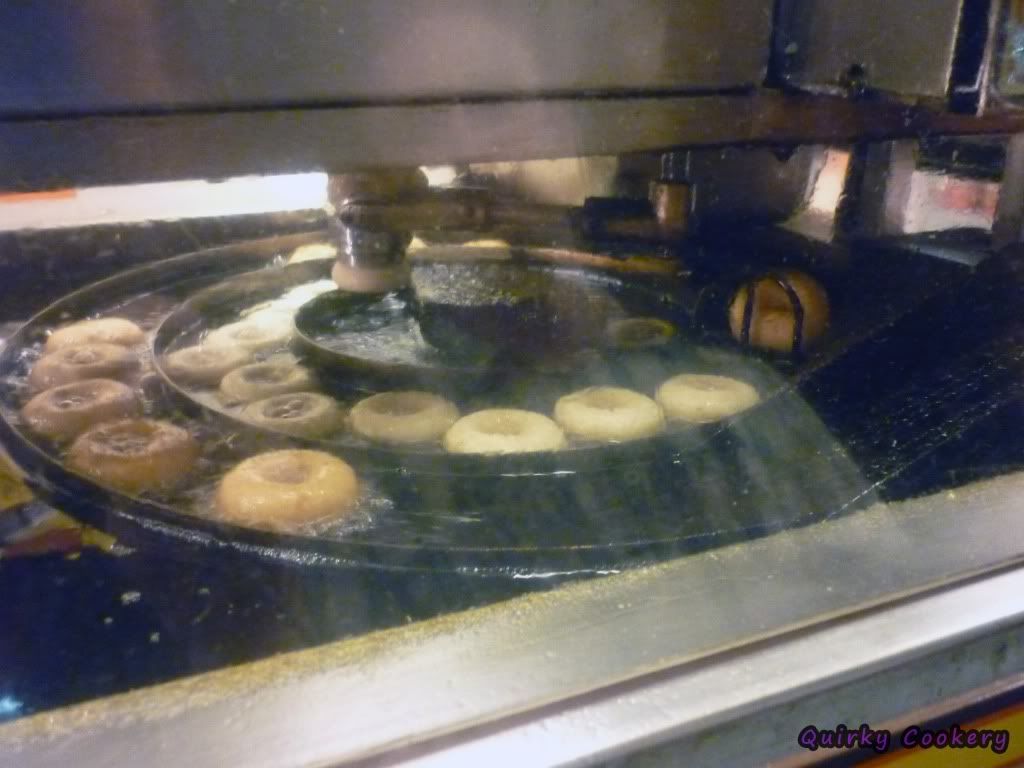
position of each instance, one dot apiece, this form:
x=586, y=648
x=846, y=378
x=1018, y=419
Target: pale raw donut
x=362, y=280
x=104, y=330
x=773, y=317
x=403, y=417
x=504, y=430
x=256, y=333
x=205, y=364
x=312, y=251
x=639, y=332
x=609, y=414
x=85, y=361
x=300, y=414
x=284, y=489
x=262, y=380
x=700, y=398
x=134, y=455
x=65, y=411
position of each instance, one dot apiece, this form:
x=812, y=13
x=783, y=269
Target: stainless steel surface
x=192, y=54
x=107, y=149
x=647, y=649
x=103, y=150
x=890, y=697
x=906, y=48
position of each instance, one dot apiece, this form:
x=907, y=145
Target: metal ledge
x=85, y=58
x=557, y=673
x=684, y=708
x=108, y=149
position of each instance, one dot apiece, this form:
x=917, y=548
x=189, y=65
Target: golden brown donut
x=403, y=417
x=609, y=414
x=699, y=398
x=300, y=414
x=205, y=364
x=103, y=330
x=504, y=430
x=262, y=380
x=284, y=489
x=63, y=412
x=773, y=318
x=364, y=280
x=85, y=361
x=134, y=455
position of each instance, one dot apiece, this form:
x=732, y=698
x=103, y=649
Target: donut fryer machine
x=710, y=147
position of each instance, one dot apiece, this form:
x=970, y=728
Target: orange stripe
x=29, y=197
x=1001, y=714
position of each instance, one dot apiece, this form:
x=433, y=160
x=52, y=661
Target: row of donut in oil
x=276, y=394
